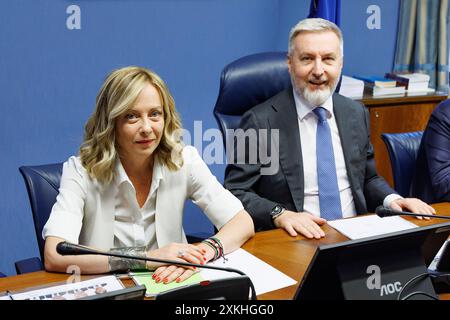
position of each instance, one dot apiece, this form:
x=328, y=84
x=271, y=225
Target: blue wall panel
x=369, y=51
x=49, y=75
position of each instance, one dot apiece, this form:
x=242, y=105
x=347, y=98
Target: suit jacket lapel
x=290, y=151
x=346, y=123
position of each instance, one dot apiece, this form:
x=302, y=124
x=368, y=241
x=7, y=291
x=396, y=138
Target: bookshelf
x=394, y=114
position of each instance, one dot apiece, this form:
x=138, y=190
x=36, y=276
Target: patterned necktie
x=329, y=199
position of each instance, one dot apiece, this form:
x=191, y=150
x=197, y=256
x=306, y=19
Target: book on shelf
x=379, y=91
x=376, y=81
x=414, y=82
x=409, y=77
x=420, y=92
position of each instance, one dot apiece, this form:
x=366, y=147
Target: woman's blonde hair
x=117, y=95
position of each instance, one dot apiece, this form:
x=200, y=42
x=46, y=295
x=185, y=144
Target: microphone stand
x=387, y=212
x=402, y=213
x=81, y=250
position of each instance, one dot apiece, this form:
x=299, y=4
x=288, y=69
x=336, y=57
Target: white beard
x=316, y=97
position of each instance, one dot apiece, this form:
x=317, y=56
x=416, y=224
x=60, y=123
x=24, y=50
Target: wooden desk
x=290, y=255
x=394, y=115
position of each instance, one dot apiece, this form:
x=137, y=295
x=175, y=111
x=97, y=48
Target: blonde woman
x=126, y=190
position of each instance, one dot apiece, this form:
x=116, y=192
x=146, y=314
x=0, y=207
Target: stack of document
x=381, y=86
x=351, y=87
x=413, y=82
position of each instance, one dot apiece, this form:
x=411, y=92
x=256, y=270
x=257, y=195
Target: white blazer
x=84, y=209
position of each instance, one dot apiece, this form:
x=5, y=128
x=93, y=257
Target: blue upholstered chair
x=403, y=149
x=247, y=82
x=430, y=182
x=42, y=184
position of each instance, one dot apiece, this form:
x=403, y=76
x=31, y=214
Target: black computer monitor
x=376, y=267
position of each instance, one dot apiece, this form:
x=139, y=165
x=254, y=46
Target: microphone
x=70, y=249
x=387, y=212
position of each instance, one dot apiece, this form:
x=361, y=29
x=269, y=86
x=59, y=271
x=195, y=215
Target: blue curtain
x=326, y=9
x=422, y=41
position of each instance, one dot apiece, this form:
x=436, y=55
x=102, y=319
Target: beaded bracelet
x=216, y=252
x=218, y=248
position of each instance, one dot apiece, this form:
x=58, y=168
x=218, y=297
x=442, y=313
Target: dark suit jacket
x=260, y=193
x=431, y=181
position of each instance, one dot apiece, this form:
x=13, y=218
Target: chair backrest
x=247, y=82
x=42, y=184
x=403, y=149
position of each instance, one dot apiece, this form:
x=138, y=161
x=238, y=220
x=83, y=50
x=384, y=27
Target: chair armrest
x=29, y=265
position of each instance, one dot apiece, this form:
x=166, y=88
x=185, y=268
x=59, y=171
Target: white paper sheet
x=369, y=226
x=265, y=278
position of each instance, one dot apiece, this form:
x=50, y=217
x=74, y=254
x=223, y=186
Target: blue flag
x=326, y=9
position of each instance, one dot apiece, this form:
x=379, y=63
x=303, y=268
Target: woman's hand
x=176, y=252
x=172, y=273
x=209, y=252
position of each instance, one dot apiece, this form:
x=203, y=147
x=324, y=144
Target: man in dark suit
x=326, y=161
x=431, y=181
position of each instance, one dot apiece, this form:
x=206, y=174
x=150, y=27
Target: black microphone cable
x=411, y=281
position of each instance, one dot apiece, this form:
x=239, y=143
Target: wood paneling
x=395, y=115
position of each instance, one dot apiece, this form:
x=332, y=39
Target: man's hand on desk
x=301, y=222
x=413, y=205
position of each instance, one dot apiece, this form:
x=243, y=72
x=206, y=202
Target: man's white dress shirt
x=307, y=122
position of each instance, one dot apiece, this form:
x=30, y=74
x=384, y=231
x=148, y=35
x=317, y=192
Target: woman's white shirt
x=135, y=226
x=99, y=215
